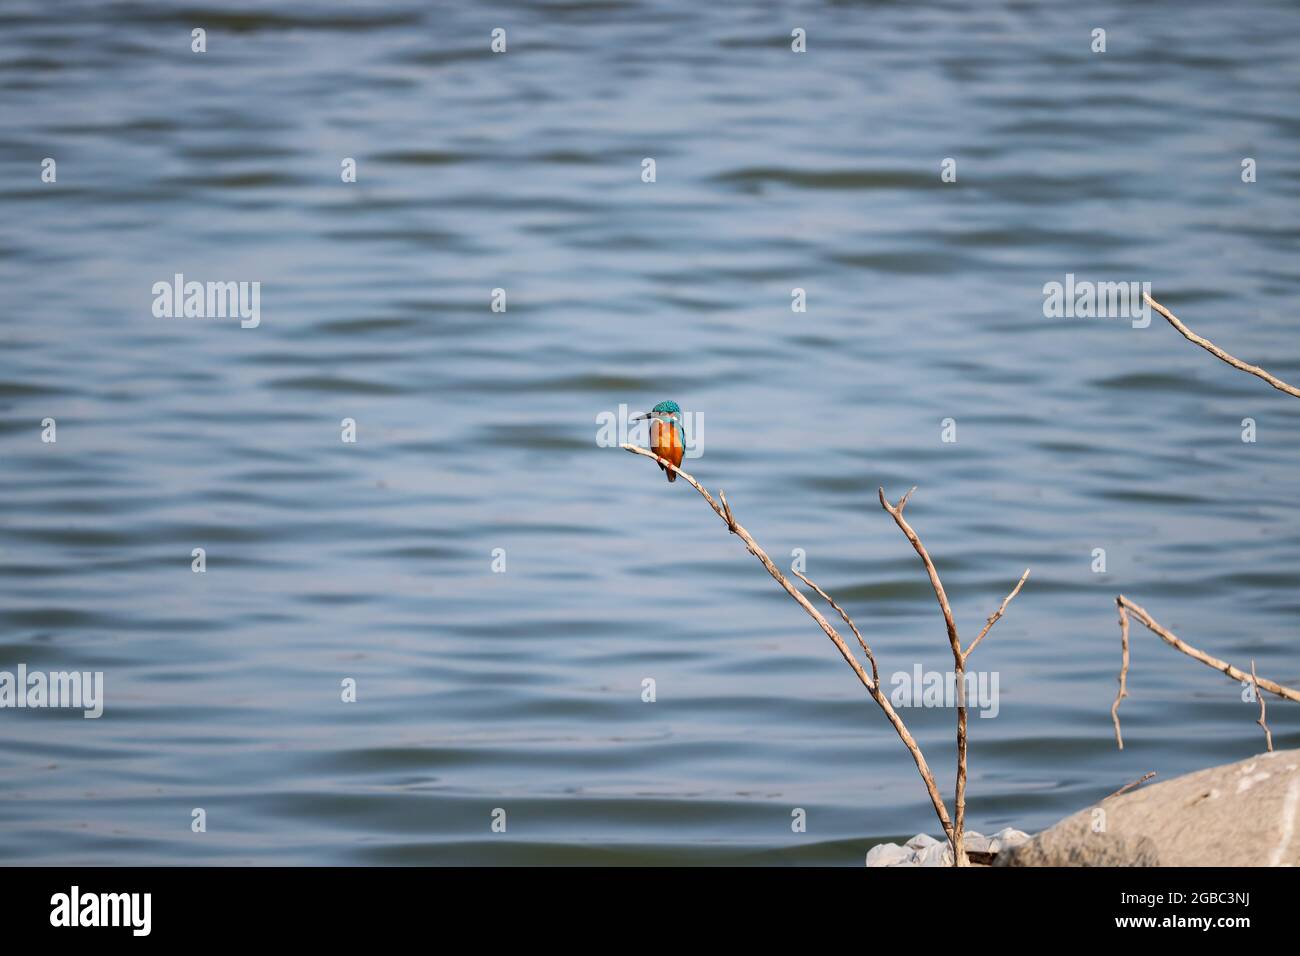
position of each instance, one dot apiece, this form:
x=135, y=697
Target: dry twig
x=996, y=615
x=1217, y=352
x=1123, y=673
x=1268, y=734
x=1132, y=786
x=875, y=674
x=872, y=682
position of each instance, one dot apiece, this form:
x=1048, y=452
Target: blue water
x=478, y=430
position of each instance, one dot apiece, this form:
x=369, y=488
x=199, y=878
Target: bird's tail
x=672, y=475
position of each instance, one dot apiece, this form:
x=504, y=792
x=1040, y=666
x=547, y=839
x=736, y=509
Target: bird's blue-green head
x=668, y=411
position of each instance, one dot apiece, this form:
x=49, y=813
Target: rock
x=1240, y=814
x=974, y=842
x=888, y=854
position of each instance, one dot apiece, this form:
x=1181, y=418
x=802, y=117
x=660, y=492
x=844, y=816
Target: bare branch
x=1123, y=671
x=1217, y=352
x=1268, y=734
x=996, y=615
x=953, y=830
x=875, y=674
x=1179, y=645
x=726, y=512
x=959, y=671
x=637, y=450
x=959, y=659
x=872, y=686
x=896, y=512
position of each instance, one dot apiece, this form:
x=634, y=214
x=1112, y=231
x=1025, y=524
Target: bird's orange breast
x=666, y=442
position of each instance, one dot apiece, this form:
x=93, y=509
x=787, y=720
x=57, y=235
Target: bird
x=667, y=434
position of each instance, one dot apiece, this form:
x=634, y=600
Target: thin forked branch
x=996, y=615
x=1261, y=684
x=958, y=655
x=896, y=512
x=1217, y=352
x=875, y=674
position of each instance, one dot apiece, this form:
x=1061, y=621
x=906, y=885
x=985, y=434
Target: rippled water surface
x=477, y=430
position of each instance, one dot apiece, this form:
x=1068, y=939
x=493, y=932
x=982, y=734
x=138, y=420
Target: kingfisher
x=667, y=434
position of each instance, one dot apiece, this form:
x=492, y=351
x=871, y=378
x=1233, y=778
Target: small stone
x=888, y=854
x=936, y=854
x=921, y=841
x=1010, y=837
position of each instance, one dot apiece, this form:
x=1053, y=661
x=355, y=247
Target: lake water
x=522, y=689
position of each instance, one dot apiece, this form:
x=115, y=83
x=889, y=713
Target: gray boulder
x=1240, y=814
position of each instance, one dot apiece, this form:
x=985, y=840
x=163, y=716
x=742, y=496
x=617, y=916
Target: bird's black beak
x=639, y=418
